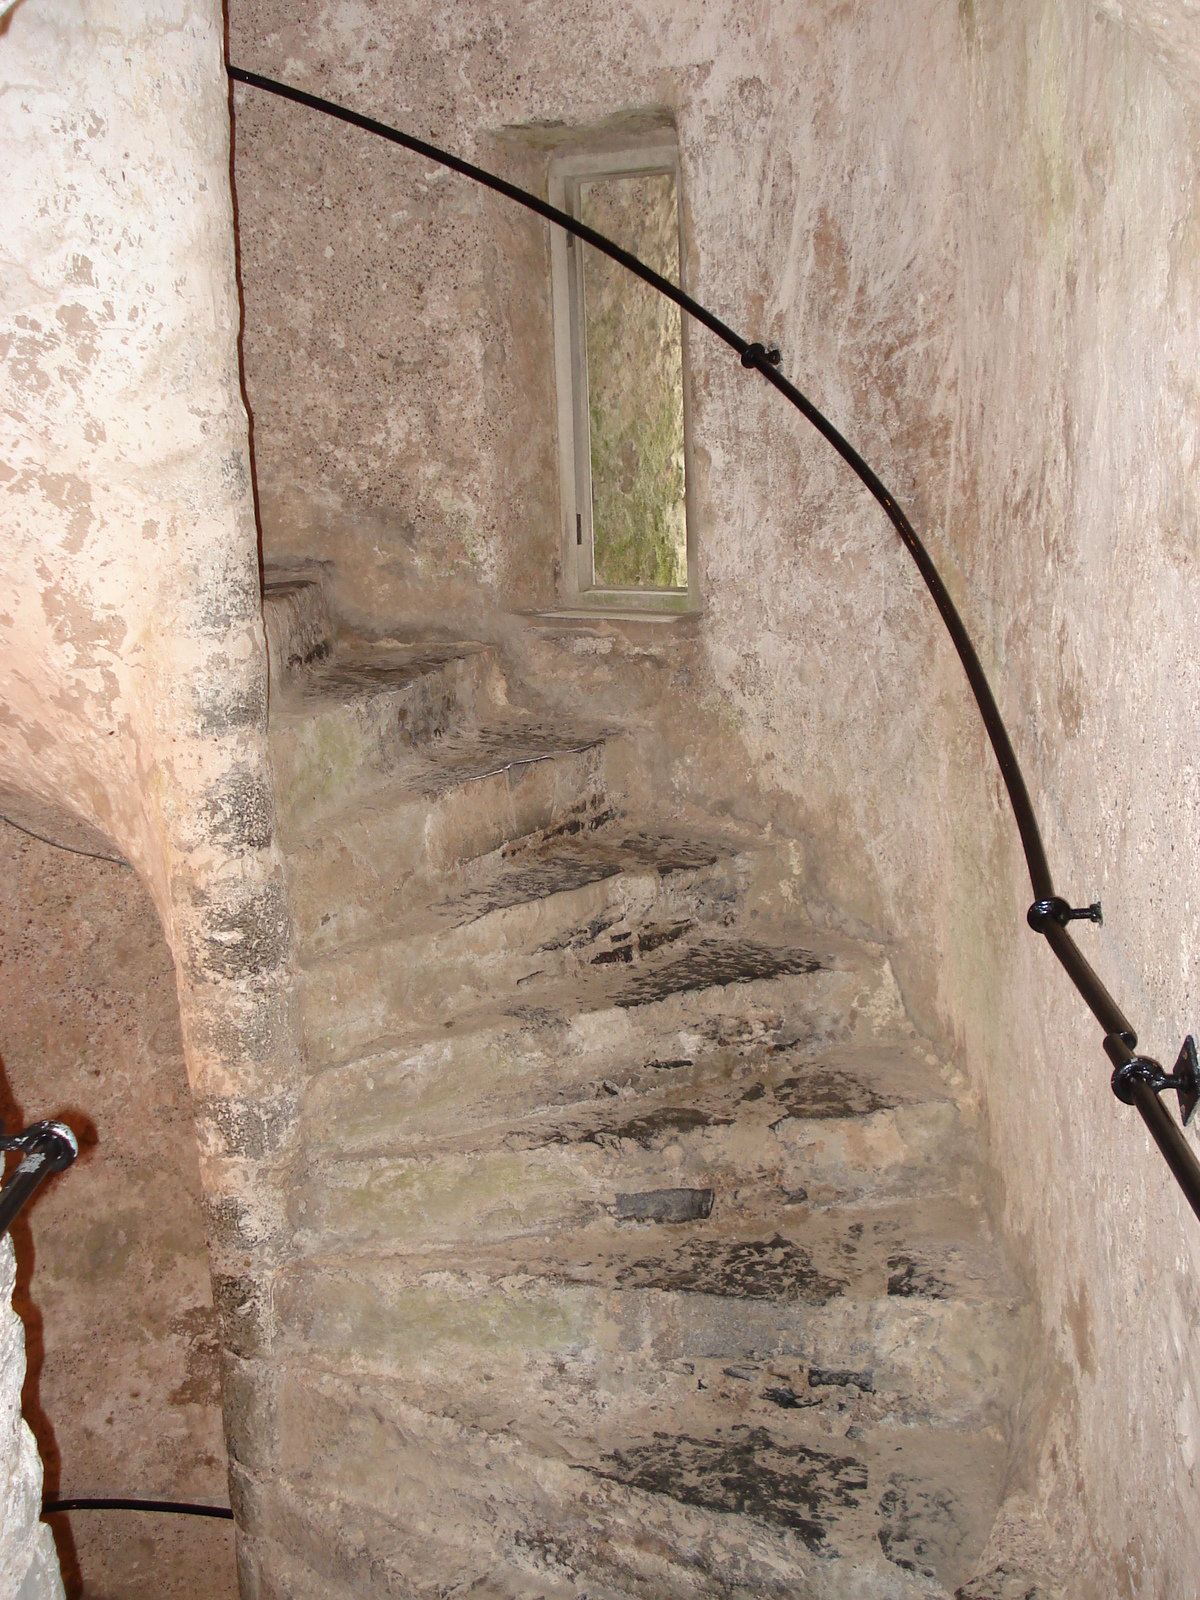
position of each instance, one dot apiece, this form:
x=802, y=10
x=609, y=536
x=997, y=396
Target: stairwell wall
x=1077, y=518
x=133, y=672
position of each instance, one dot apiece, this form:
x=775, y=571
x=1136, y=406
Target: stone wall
x=28, y=1563
x=1079, y=522
x=971, y=228
x=132, y=658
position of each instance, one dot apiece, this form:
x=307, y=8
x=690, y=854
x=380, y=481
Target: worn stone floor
x=113, y=1283
x=641, y=1245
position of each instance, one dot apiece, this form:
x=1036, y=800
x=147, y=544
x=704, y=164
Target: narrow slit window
x=621, y=350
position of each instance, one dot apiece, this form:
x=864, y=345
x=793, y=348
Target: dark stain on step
x=665, y=1205
x=714, y=963
x=1004, y=1582
x=579, y=936
x=908, y=1277
x=655, y=1125
x=919, y=1525
x=577, y=824
x=623, y=952
x=652, y=938
x=355, y=675
x=748, y=1475
x=572, y=856
x=745, y=1269
x=840, y=1378
x=788, y=1399
x=646, y=1130
x=823, y=1093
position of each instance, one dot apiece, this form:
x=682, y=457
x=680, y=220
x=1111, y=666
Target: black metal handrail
x=171, y=1508
x=45, y=1147
x=1136, y=1080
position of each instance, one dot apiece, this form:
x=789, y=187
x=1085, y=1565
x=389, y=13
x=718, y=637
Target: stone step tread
x=584, y=859
x=587, y=857
x=726, y=1238
x=362, y=669
x=464, y=790
x=465, y=1511
x=500, y=741
x=369, y=996
x=345, y=723
x=798, y=1401
x=827, y=1135
x=642, y=904
x=670, y=1165
x=517, y=1092
x=588, y=847
x=586, y=1349
x=393, y=850
x=925, y=1497
x=296, y=619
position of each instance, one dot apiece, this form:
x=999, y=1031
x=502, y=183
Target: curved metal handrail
x=1136, y=1080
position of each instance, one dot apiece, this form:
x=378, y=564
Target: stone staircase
x=640, y=1244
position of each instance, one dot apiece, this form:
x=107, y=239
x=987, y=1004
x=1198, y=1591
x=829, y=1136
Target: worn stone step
x=536, y=1067
x=572, y=1198
x=563, y=1353
x=365, y=996
x=392, y=855
x=578, y=1221
x=851, y=1119
x=346, y=720
x=618, y=920
x=296, y=618
x=548, y=829
x=693, y=1506
x=462, y=1509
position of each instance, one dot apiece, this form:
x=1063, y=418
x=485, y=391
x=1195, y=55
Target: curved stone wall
x=133, y=668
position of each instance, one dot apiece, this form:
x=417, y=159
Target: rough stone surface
x=28, y=1562
x=971, y=228
x=123, y=1388
x=640, y=1247
x=133, y=664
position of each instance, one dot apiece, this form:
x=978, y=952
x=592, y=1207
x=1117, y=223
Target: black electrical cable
x=72, y=850
x=177, y=1508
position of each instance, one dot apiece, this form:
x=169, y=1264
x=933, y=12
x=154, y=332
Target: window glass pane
x=635, y=386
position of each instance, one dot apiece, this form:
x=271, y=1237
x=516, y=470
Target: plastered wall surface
x=1078, y=521
x=971, y=229
x=132, y=656
x=122, y=1383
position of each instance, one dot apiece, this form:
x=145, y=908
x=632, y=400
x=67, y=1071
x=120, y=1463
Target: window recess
x=621, y=369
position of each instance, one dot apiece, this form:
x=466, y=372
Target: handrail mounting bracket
x=1055, y=909
x=1185, y=1079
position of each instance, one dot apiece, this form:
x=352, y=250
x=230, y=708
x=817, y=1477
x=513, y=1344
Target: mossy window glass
x=634, y=363
x=628, y=533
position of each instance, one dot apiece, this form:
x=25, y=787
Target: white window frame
x=654, y=153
